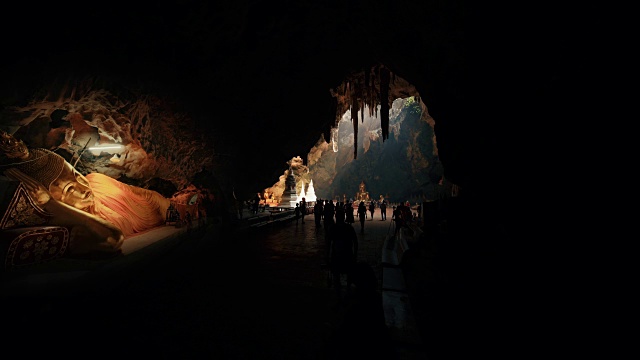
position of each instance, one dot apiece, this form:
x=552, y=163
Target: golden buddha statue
x=99, y=211
x=363, y=194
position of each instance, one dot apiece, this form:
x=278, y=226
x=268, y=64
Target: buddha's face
x=73, y=189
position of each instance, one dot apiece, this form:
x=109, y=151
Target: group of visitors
x=402, y=215
x=341, y=239
x=327, y=212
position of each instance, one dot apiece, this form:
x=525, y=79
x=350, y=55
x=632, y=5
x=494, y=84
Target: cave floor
x=222, y=291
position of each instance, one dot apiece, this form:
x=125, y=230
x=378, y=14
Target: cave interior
x=259, y=83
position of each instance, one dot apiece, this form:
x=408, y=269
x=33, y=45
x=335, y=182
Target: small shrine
x=289, y=195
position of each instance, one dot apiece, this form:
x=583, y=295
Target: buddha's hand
x=88, y=233
x=36, y=190
x=95, y=237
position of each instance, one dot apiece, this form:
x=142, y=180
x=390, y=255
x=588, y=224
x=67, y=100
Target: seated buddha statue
x=100, y=212
x=363, y=194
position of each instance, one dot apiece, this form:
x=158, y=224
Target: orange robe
x=130, y=208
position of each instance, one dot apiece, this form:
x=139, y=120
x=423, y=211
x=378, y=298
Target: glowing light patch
x=105, y=147
x=108, y=148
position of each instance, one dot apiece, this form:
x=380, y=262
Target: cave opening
x=392, y=149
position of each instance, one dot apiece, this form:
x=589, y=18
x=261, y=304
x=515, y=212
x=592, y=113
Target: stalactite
x=359, y=97
x=355, y=139
x=376, y=90
x=354, y=99
x=384, y=102
x=367, y=92
x=362, y=100
x=354, y=119
x=370, y=88
x=353, y=102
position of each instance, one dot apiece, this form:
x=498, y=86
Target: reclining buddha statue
x=100, y=211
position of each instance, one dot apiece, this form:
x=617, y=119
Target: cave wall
x=159, y=142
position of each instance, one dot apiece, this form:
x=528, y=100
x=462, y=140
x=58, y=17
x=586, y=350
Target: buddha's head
x=62, y=180
x=72, y=188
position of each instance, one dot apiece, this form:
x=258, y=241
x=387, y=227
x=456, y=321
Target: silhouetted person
x=348, y=210
x=202, y=218
x=297, y=212
x=329, y=212
x=340, y=211
x=383, y=209
x=317, y=212
x=362, y=215
x=397, y=216
x=407, y=214
x=372, y=208
x=303, y=208
x=256, y=204
x=177, y=219
x=343, y=243
x=188, y=222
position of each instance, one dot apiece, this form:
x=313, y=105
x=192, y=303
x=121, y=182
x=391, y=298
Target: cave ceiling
x=263, y=79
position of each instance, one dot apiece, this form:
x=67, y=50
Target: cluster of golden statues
x=99, y=211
